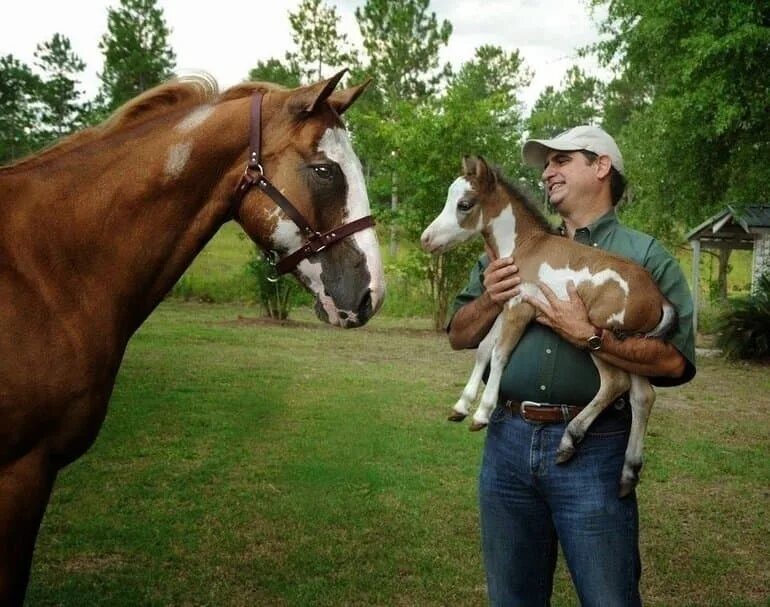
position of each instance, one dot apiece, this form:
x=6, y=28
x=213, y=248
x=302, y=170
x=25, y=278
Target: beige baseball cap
x=590, y=138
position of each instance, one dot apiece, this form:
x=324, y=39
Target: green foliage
x=402, y=41
x=273, y=292
x=318, y=41
x=63, y=107
x=275, y=71
x=744, y=331
x=19, y=94
x=697, y=123
x=137, y=56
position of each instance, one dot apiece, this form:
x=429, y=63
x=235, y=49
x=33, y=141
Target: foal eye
x=465, y=205
x=323, y=171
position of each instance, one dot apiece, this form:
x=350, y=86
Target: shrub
x=744, y=330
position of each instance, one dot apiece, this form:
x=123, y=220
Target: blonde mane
x=184, y=92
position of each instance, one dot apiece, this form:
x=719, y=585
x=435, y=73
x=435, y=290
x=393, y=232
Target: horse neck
x=513, y=227
x=114, y=225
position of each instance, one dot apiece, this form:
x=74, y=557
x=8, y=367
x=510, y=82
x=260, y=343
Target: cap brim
x=535, y=151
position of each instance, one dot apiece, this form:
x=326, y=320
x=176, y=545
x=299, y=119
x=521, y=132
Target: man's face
x=568, y=178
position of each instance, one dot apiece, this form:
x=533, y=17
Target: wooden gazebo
x=747, y=229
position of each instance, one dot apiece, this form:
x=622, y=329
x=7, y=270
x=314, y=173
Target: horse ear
x=485, y=175
x=342, y=100
x=308, y=99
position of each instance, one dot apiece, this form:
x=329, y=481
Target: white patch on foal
x=445, y=231
x=557, y=278
x=176, y=160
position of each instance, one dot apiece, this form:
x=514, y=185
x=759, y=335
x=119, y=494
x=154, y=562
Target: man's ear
x=603, y=166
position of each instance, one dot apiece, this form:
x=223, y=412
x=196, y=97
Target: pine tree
x=137, y=55
x=19, y=109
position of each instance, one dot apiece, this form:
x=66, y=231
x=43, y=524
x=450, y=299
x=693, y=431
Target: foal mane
x=528, y=202
x=183, y=92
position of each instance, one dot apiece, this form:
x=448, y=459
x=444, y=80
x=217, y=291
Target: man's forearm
x=472, y=322
x=642, y=356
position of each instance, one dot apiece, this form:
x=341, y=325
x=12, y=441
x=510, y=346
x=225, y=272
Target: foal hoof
x=454, y=416
x=476, y=426
x=564, y=455
x=627, y=487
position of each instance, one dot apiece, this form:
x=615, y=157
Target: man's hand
x=569, y=318
x=501, y=279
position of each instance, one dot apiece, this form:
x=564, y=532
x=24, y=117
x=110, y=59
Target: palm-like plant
x=744, y=331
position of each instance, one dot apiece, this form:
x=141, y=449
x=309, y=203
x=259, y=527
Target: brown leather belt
x=542, y=413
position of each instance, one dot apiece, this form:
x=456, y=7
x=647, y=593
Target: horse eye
x=323, y=171
x=466, y=204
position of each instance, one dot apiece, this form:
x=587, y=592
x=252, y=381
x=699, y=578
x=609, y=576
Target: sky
x=228, y=37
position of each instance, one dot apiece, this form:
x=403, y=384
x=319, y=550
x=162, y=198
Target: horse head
x=307, y=158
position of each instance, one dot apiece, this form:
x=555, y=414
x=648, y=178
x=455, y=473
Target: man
x=527, y=501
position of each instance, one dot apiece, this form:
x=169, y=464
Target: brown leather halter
x=315, y=242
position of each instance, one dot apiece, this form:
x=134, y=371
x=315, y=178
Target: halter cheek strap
x=315, y=242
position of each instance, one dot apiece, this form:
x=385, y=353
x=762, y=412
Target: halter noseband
x=315, y=242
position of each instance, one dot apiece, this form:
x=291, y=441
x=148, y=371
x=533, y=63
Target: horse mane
x=526, y=198
x=188, y=91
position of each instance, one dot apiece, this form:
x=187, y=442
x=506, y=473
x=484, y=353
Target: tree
x=318, y=41
x=19, y=108
x=403, y=42
x=478, y=114
x=62, y=109
x=699, y=138
x=136, y=51
x=274, y=71
x=579, y=101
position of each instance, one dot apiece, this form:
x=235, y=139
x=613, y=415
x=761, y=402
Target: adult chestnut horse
x=95, y=230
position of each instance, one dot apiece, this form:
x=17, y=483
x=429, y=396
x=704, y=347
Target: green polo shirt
x=545, y=368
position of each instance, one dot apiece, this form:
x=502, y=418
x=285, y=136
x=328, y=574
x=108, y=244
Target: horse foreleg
x=25, y=486
x=483, y=353
x=642, y=398
x=515, y=318
x=613, y=383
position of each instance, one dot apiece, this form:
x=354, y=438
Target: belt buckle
x=524, y=405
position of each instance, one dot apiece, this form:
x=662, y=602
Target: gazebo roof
x=736, y=229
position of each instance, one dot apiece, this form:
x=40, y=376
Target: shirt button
x=542, y=387
x=548, y=350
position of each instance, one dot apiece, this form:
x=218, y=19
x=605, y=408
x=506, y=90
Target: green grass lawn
x=247, y=463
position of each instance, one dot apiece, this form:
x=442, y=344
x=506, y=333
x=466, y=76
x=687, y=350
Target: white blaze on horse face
x=446, y=231
x=335, y=143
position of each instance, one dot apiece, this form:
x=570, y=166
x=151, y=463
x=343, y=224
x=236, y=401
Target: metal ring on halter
x=271, y=258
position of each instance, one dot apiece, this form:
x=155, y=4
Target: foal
x=619, y=295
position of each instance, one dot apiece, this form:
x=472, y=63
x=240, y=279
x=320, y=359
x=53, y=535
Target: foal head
x=471, y=208
x=308, y=157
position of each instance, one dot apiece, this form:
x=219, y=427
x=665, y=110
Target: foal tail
x=667, y=322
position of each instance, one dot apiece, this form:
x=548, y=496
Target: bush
x=277, y=294
x=744, y=331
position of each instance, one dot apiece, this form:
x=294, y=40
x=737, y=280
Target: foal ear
x=308, y=99
x=342, y=100
x=469, y=165
x=485, y=176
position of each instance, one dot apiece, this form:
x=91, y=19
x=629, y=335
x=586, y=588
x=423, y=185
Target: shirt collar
x=598, y=228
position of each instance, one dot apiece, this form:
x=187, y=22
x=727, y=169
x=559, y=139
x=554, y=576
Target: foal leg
x=25, y=486
x=483, y=354
x=642, y=398
x=613, y=383
x=515, y=319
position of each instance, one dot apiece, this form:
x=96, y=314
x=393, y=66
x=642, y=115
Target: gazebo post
x=695, y=242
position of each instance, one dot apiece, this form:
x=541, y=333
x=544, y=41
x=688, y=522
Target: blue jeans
x=528, y=503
